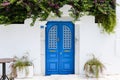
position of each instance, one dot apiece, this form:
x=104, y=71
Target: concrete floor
x=71, y=77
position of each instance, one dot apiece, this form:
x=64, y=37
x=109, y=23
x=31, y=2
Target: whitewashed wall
x=105, y=47
x=16, y=39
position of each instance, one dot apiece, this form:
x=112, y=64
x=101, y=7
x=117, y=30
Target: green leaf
x=28, y=8
x=36, y=1
x=12, y=1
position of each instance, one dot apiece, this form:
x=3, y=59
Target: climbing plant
x=16, y=11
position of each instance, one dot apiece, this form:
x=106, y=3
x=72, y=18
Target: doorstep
x=70, y=77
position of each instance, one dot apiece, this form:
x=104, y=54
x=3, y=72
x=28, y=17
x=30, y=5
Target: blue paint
x=59, y=48
x=41, y=26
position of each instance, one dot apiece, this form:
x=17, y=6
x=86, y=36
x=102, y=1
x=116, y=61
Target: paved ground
x=71, y=77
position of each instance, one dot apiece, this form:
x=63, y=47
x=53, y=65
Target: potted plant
x=93, y=67
x=22, y=67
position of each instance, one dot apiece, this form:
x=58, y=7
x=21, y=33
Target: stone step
x=69, y=77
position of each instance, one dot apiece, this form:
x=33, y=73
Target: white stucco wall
x=105, y=47
x=16, y=39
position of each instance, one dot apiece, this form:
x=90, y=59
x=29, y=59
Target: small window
x=52, y=38
x=67, y=36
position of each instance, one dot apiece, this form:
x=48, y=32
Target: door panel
x=51, y=50
x=67, y=56
x=59, y=48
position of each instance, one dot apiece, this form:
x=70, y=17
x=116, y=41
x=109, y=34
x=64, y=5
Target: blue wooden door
x=59, y=48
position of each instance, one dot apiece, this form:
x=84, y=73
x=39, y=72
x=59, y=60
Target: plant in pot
x=93, y=67
x=22, y=67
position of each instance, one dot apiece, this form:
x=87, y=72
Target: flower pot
x=25, y=72
x=92, y=75
x=30, y=71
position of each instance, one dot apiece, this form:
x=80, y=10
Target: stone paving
x=71, y=77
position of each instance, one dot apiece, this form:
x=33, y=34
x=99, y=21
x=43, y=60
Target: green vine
x=107, y=22
x=16, y=11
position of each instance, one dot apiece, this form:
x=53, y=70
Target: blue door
x=59, y=48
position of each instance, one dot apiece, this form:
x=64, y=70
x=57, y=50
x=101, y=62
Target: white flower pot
x=30, y=71
x=23, y=74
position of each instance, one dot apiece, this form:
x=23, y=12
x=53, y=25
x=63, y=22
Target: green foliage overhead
x=107, y=22
x=16, y=11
